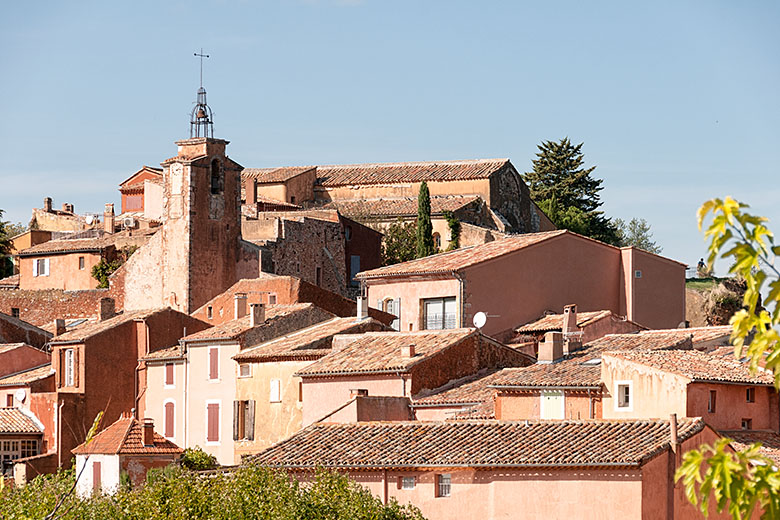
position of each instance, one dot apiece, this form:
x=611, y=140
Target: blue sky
x=676, y=102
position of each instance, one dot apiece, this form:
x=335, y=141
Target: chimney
x=551, y=349
x=362, y=308
x=357, y=392
x=47, y=204
x=407, y=351
x=256, y=314
x=66, y=207
x=673, y=428
x=572, y=339
x=239, y=305
x=106, y=308
x=108, y=218
x=59, y=327
x=148, y=432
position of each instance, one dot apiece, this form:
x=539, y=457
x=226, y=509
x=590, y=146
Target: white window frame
x=37, y=263
x=249, y=366
x=408, y=483
x=164, y=415
x=621, y=383
x=439, y=484
x=69, y=367
x=219, y=422
x=543, y=413
x=165, y=375
x=275, y=390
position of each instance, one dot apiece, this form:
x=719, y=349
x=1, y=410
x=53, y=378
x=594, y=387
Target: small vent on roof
x=592, y=362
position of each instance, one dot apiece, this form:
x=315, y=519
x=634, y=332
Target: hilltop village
x=249, y=314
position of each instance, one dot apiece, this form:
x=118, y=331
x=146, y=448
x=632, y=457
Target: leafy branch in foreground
x=743, y=480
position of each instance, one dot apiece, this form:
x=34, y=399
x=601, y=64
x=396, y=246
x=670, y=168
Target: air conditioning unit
x=128, y=222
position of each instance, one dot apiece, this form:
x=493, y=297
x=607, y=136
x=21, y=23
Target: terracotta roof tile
x=14, y=420
x=770, y=442
x=590, y=443
x=310, y=343
x=390, y=173
x=274, y=175
x=471, y=389
x=700, y=334
x=400, y=206
x=697, y=366
x=458, y=259
x=97, y=327
x=125, y=436
x=555, y=321
x=173, y=352
x=381, y=352
x=234, y=328
x=10, y=282
x=28, y=376
x=85, y=244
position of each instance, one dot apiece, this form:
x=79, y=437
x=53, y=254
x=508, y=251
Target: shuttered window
x=168, y=374
x=213, y=363
x=212, y=422
x=96, y=476
x=170, y=416
x=244, y=420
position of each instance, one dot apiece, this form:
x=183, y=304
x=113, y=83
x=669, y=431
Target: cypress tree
x=424, y=226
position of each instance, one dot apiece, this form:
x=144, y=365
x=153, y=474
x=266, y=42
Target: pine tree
x=424, y=226
x=560, y=184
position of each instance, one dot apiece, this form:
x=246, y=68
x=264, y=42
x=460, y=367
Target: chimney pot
x=47, y=204
x=106, y=308
x=59, y=327
x=256, y=314
x=239, y=306
x=108, y=218
x=362, y=308
x=64, y=206
x=570, y=318
x=551, y=349
x=407, y=351
x=148, y=432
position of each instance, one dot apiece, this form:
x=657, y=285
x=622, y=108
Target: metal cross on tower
x=201, y=56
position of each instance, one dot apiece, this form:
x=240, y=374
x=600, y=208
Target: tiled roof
x=399, y=206
x=555, y=321
x=391, y=173
x=472, y=389
x=84, y=244
x=310, y=343
x=125, y=437
x=28, y=376
x=452, y=261
x=7, y=347
x=700, y=334
x=770, y=442
x=574, y=370
x=173, y=352
x=234, y=328
x=14, y=420
x=589, y=443
x=92, y=328
x=381, y=352
x=274, y=175
x=11, y=282
x=697, y=366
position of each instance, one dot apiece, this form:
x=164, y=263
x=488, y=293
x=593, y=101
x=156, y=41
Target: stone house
x=192, y=385
x=716, y=387
x=128, y=446
x=397, y=365
x=32, y=390
x=515, y=280
x=64, y=220
x=268, y=405
x=21, y=436
x=15, y=330
x=588, y=469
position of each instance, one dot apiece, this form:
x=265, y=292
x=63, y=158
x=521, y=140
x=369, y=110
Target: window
x=392, y=306
x=276, y=391
x=407, y=482
x=244, y=420
x=15, y=312
x=711, y=402
x=348, y=233
x=169, y=374
x=41, y=267
x=244, y=370
x=318, y=276
x=209, y=312
x=213, y=363
x=292, y=199
x=216, y=178
x=750, y=395
x=623, y=401
x=170, y=419
x=212, y=422
x=637, y=274
x=300, y=391
x=96, y=476
x=81, y=263
x=271, y=299
x=436, y=241
x=9, y=400
x=443, y=485
x=747, y=424
x=28, y=448
x=551, y=405
x=69, y=367
x=354, y=268
x=439, y=313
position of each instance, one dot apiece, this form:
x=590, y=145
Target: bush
x=196, y=459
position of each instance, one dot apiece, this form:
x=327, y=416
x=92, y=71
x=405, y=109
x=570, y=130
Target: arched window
x=436, y=241
x=170, y=417
x=216, y=178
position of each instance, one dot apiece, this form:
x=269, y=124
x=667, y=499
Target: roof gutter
x=635, y=464
x=545, y=387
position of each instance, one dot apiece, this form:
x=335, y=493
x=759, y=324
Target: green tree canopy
x=424, y=226
x=6, y=232
x=567, y=192
x=399, y=243
x=636, y=233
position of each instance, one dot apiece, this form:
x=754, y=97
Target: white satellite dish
x=20, y=394
x=90, y=219
x=480, y=319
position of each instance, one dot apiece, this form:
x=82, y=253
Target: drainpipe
x=59, y=433
x=186, y=386
x=590, y=405
x=461, y=292
x=384, y=478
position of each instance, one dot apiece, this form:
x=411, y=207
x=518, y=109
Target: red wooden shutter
x=213, y=363
x=169, y=418
x=169, y=373
x=212, y=435
x=96, y=484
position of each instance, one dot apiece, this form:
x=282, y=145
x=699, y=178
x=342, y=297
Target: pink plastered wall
x=412, y=292
x=321, y=396
x=731, y=406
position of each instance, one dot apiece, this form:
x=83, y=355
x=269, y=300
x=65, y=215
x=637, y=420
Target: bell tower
x=201, y=213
